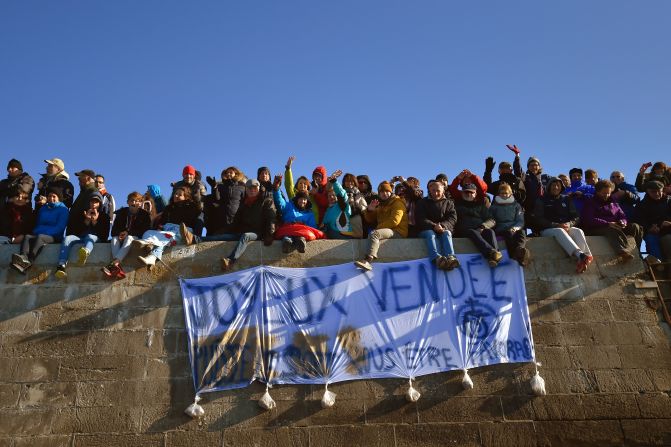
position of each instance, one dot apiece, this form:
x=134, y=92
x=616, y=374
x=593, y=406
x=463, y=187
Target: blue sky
x=136, y=90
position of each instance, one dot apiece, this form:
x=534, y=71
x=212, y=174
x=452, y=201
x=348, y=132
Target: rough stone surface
x=88, y=362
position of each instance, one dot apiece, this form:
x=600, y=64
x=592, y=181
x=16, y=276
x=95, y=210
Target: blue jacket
x=582, y=187
x=291, y=213
x=52, y=219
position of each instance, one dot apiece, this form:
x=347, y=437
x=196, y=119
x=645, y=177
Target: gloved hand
x=211, y=181
x=513, y=148
x=489, y=163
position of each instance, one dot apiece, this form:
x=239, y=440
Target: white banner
x=330, y=324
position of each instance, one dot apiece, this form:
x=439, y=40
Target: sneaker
x=16, y=259
x=652, y=260
x=120, y=274
x=109, y=270
x=187, y=236
x=440, y=262
x=19, y=267
x=364, y=265
x=300, y=244
x=523, y=256
x=494, y=258
x=451, y=262
x=61, y=273
x=226, y=264
x=148, y=260
x=82, y=256
x=287, y=246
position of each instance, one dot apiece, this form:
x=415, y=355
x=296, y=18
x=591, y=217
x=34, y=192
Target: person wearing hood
x=389, y=217
x=602, y=216
x=475, y=223
x=197, y=192
x=579, y=191
x=318, y=195
x=16, y=181
x=337, y=219
x=52, y=219
x=555, y=216
x=466, y=177
x=436, y=218
x=153, y=203
x=509, y=217
x=87, y=228
x=295, y=211
x=510, y=174
x=223, y=203
x=16, y=218
x=654, y=214
x=55, y=177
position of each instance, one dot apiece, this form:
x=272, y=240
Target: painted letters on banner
x=330, y=324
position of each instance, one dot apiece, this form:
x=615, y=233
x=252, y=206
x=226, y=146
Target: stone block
x=168, y=367
x=9, y=394
x=644, y=357
x=437, y=435
x=653, y=335
x=102, y=367
x=518, y=408
x=26, y=422
x=43, y=344
x=558, y=407
x=647, y=432
x=579, y=433
x=562, y=381
x=547, y=334
x=632, y=310
x=553, y=356
x=22, y=323
x=585, y=311
x=577, y=334
x=610, y=406
x=97, y=420
x=119, y=440
x=622, y=333
x=35, y=369
x=654, y=405
x=609, y=267
x=546, y=311
x=460, y=409
x=390, y=410
x=513, y=434
x=44, y=441
x=124, y=343
x=284, y=436
x=194, y=438
x=51, y=394
x=347, y=435
x=661, y=379
x=595, y=357
x=158, y=419
x=164, y=317
x=623, y=381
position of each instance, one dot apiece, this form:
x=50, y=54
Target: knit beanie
x=14, y=163
x=188, y=169
x=533, y=159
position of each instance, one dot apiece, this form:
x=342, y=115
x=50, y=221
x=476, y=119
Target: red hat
x=188, y=169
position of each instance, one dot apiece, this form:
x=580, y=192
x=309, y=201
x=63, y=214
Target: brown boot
x=187, y=236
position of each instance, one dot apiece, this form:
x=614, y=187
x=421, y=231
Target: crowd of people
x=490, y=212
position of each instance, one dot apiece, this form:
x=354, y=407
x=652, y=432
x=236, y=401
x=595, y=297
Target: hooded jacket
x=586, y=190
x=508, y=216
x=186, y=212
x=12, y=185
x=389, y=214
x=52, y=219
x=80, y=205
x=337, y=216
x=135, y=224
x=551, y=211
x=318, y=195
x=256, y=217
x=472, y=215
x=59, y=181
x=223, y=204
x=78, y=226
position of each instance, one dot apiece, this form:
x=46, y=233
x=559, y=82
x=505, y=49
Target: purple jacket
x=596, y=213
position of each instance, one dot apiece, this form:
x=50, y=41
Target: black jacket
x=77, y=225
x=135, y=224
x=186, y=212
x=258, y=217
x=429, y=212
x=653, y=212
x=10, y=186
x=15, y=220
x=222, y=205
x=58, y=181
x=550, y=211
x=77, y=209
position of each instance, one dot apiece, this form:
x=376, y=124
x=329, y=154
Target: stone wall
x=89, y=362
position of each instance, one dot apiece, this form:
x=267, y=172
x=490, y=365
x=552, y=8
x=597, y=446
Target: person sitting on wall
x=579, y=191
x=475, y=223
x=52, y=218
x=16, y=181
x=654, y=214
x=55, y=177
x=357, y=203
x=197, y=192
x=336, y=222
x=299, y=225
x=130, y=224
x=88, y=228
x=389, y=217
x=16, y=218
x=180, y=209
x=602, y=216
x=555, y=216
x=436, y=217
x=224, y=201
x=509, y=217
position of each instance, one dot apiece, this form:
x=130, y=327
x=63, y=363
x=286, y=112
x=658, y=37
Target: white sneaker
x=147, y=260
